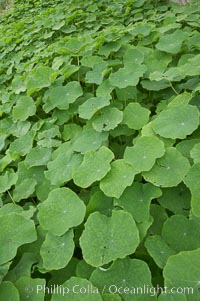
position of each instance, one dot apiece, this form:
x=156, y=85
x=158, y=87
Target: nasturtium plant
x=94, y=167
x=16, y=231
x=135, y=116
x=143, y=154
x=99, y=150
x=62, y=207
x=117, y=237
x=24, y=108
x=177, y=121
x=118, y=178
x=169, y=170
x=61, y=247
x=124, y=273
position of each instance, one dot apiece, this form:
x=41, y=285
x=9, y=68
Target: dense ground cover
x=100, y=150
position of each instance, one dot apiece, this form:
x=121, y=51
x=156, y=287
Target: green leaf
x=101, y=203
x=126, y=76
x=56, y=251
x=78, y=289
x=8, y=291
x=21, y=146
x=84, y=270
x=169, y=170
x=93, y=105
x=177, y=121
x=97, y=74
x=60, y=97
x=186, y=233
x=107, y=120
x=24, y=108
x=191, y=181
x=4, y=268
x=136, y=200
x=143, y=154
x=23, y=267
x=158, y=249
x=37, y=157
x=16, y=231
x=71, y=131
x=135, y=116
x=195, y=153
x=172, y=42
x=60, y=169
x=30, y=289
x=186, y=274
x=89, y=139
x=94, y=167
x=117, y=237
x=38, y=78
x=62, y=210
x=126, y=277
x=176, y=199
x=133, y=56
x=24, y=189
x=7, y=180
x=118, y=178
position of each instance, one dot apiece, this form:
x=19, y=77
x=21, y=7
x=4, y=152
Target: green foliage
x=99, y=150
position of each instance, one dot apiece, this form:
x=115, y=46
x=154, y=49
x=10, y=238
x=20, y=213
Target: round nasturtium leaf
x=7, y=180
x=38, y=156
x=15, y=231
x=177, y=121
x=39, y=78
x=60, y=97
x=192, y=182
x=183, y=270
x=60, y=169
x=93, y=105
x=56, y=251
x=31, y=289
x=143, y=154
x=107, y=120
x=78, y=289
x=136, y=200
x=62, y=210
x=172, y=42
x=126, y=76
x=135, y=116
x=99, y=202
x=8, y=291
x=118, y=178
x=158, y=249
x=94, y=167
x=21, y=146
x=176, y=199
x=186, y=233
x=169, y=170
x=124, y=277
x=89, y=139
x=24, y=108
x=24, y=189
x=23, y=266
x=97, y=74
x=133, y=56
x=108, y=238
